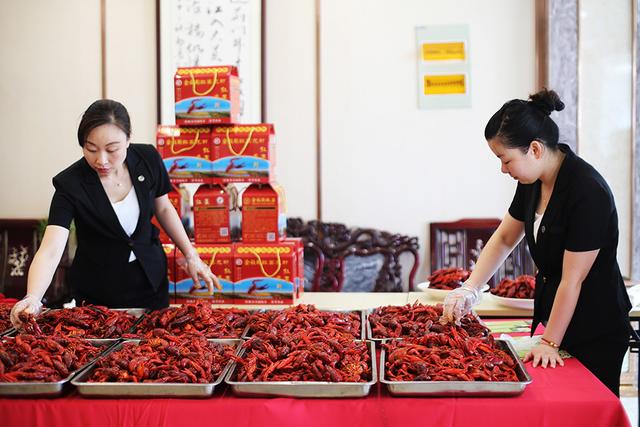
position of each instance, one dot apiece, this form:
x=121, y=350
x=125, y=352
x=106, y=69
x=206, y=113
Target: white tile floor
x=631, y=406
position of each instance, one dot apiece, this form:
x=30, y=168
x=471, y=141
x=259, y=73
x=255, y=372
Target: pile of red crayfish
x=310, y=355
x=447, y=357
x=198, y=318
x=417, y=320
x=448, y=278
x=89, y=321
x=164, y=359
x=303, y=316
x=5, y=321
x=42, y=359
x=522, y=287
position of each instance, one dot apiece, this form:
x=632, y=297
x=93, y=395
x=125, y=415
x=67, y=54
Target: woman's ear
x=536, y=148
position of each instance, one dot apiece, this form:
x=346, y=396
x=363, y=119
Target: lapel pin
x=140, y=178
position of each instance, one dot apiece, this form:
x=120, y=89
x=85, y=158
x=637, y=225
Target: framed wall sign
x=211, y=32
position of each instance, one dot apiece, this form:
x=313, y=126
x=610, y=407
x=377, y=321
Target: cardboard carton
x=207, y=95
x=243, y=153
x=264, y=216
x=211, y=214
x=220, y=260
x=266, y=273
x=186, y=152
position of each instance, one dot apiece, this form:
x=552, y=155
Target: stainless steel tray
x=114, y=389
x=248, y=332
x=7, y=332
x=303, y=388
x=380, y=340
x=460, y=388
x=50, y=389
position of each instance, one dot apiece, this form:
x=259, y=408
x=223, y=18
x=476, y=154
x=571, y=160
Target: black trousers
x=603, y=357
x=133, y=291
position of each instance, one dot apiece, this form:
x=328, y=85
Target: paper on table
x=508, y=326
x=523, y=345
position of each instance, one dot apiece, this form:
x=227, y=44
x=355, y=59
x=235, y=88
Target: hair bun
x=546, y=101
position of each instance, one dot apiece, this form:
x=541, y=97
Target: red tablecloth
x=569, y=396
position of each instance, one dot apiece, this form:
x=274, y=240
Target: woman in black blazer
x=566, y=211
x=112, y=193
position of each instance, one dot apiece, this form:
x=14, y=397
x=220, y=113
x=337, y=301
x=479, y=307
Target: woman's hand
x=458, y=303
x=29, y=304
x=544, y=355
x=198, y=270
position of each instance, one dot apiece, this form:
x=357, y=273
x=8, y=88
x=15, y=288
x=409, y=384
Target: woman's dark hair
x=102, y=112
x=519, y=122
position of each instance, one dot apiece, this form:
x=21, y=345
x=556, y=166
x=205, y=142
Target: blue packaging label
x=202, y=106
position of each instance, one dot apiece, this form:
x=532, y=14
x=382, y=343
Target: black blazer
x=103, y=246
x=580, y=216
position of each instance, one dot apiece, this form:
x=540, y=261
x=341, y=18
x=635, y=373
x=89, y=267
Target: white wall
x=131, y=63
x=605, y=88
x=387, y=164
x=291, y=100
x=50, y=73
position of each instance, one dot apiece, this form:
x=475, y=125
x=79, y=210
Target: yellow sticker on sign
x=445, y=84
x=443, y=51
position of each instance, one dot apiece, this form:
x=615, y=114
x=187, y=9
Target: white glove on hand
x=29, y=304
x=459, y=302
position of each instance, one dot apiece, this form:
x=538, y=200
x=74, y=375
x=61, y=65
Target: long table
x=564, y=397
x=567, y=396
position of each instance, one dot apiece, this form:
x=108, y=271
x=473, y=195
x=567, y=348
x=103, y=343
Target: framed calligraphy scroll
x=211, y=32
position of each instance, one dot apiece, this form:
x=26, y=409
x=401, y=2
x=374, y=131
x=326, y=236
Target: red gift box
x=263, y=213
x=186, y=152
x=207, y=95
x=211, y=214
x=266, y=273
x=177, y=200
x=243, y=153
x=220, y=259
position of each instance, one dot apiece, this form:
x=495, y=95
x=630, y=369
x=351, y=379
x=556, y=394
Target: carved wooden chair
x=338, y=258
x=458, y=244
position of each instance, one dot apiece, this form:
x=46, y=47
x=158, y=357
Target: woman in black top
x=112, y=193
x=566, y=211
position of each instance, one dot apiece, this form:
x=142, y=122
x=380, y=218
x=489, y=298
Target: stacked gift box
x=238, y=210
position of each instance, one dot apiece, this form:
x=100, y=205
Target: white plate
x=523, y=303
x=439, y=294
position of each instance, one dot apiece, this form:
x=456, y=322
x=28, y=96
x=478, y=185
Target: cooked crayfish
x=302, y=317
x=448, y=278
x=522, y=287
x=164, y=359
x=42, y=359
x=89, y=321
x=198, y=318
x=415, y=320
x=448, y=357
x=306, y=355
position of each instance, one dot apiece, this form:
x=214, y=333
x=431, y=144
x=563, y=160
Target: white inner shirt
x=128, y=211
x=536, y=225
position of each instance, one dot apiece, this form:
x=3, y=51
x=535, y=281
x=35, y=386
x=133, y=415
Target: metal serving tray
x=460, y=388
x=7, y=332
x=248, y=332
x=50, y=389
x=114, y=389
x=380, y=340
x=303, y=388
